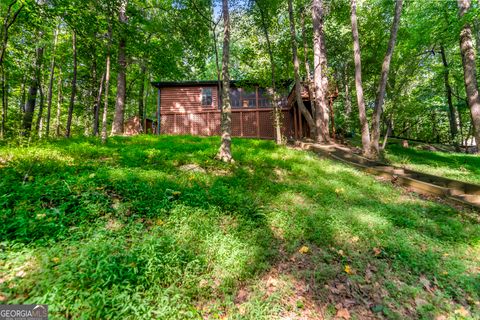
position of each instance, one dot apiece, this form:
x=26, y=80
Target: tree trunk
x=39, y=125
x=59, y=105
x=107, y=86
x=224, y=153
x=348, y=103
x=141, y=92
x=451, y=109
x=469, y=72
x=32, y=94
x=96, y=111
x=50, y=84
x=388, y=132
x=118, y=118
x=311, y=93
x=74, y=85
x=358, y=82
x=4, y=103
x=296, y=67
x=378, y=108
x=277, y=110
x=319, y=70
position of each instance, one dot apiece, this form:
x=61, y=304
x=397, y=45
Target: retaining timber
x=459, y=192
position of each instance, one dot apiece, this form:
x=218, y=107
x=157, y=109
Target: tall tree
x=225, y=153
x=74, y=85
x=50, y=83
x=32, y=93
x=4, y=102
x=358, y=82
x=118, y=119
x=470, y=74
x=452, y=117
x=277, y=112
x=107, y=86
x=379, y=101
x=296, y=67
x=320, y=72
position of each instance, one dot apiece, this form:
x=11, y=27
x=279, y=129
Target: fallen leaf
x=343, y=313
x=377, y=251
x=304, y=250
x=349, y=270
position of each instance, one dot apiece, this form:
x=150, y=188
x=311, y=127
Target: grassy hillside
x=154, y=227
x=458, y=166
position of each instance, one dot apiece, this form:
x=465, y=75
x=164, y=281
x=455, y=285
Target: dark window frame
x=205, y=97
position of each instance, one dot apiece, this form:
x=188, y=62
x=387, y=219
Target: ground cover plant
x=154, y=227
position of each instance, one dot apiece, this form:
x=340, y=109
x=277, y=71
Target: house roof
x=234, y=83
x=163, y=84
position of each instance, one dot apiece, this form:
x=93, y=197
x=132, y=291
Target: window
x=249, y=98
x=207, y=99
x=235, y=98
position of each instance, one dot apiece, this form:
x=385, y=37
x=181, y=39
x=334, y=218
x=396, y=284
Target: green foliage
x=154, y=227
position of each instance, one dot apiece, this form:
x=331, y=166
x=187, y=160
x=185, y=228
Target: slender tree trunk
x=358, y=82
x=224, y=153
x=50, y=84
x=348, y=103
x=4, y=103
x=320, y=69
x=388, y=132
x=469, y=72
x=448, y=92
x=91, y=108
x=32, y=94
x=74, y=85
x=118, y=119
x=107, y=86
x=379, y=101
x=59, y=105
x=98, y=101
x=141, y=91
x=311, y=93
x=39, y=125
x=296, y=67
x=277, y=112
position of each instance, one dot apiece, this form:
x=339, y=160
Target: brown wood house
x=192, y=107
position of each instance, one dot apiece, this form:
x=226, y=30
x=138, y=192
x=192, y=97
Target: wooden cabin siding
x=182, y=112
x=185, y=99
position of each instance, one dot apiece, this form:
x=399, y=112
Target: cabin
x=192, y=107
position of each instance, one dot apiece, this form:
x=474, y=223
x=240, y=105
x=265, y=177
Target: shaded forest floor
x=154, y=227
